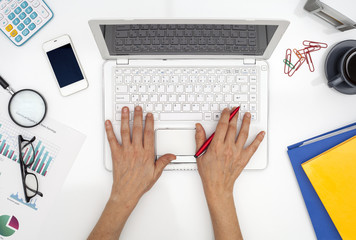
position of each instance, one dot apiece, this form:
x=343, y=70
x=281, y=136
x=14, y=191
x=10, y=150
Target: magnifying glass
x=27, y=108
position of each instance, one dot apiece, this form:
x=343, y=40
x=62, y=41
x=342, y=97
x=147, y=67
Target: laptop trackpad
x=180, y=142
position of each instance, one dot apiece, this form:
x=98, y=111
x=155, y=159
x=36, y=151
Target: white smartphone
x=65, y=65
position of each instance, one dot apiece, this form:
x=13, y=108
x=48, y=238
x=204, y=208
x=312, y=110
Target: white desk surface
x=269, y=203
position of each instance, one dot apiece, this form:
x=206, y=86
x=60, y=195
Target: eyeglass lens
x=31, y=185
x=28, y=154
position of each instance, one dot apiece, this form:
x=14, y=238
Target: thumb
x=200, y=136
x=162, y=162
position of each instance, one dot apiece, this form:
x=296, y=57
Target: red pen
x=205, y=146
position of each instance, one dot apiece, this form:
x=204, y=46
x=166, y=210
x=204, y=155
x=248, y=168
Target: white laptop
x=184, y=72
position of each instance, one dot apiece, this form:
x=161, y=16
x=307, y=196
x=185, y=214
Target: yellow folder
x=333, y=176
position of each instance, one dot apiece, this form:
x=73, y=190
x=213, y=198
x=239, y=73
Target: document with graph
x=53, y=153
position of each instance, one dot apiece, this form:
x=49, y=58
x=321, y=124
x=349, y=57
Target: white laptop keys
x=184, y=72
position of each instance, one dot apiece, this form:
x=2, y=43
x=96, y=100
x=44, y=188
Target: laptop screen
x=187, y=39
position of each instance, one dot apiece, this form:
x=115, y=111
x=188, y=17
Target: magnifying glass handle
x=3, y=83
x=6, y=86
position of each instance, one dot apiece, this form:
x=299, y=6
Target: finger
x=114, y=144
x=200, y=136
x=243, y=134
x=137, y=127
x=222, y=127
x=232, y=130
x=162, y=162
x=149, y=137
x=125, y=127
x=250, y=150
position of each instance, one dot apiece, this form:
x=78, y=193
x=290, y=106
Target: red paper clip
x=309, y=60
x=312, y=44
x=288, y=58
x=310, y=49
x=299, y=55
x=296, y=66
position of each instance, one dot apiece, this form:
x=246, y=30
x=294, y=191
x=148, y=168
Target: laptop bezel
x=100, y=41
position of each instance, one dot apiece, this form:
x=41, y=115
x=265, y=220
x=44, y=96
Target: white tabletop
x=268, y=202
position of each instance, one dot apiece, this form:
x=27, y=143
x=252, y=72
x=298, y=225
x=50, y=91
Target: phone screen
x=65, y=65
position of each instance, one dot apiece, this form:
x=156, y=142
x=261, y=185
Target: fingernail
x=107, y=123
x=125, y=109
x=149, y=115
x=137, y=108
x=248, y=115
x=263, y=134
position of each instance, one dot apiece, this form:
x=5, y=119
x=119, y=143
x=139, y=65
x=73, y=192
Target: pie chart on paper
x=8, y=225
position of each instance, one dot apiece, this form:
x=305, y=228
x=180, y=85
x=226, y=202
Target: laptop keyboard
x=186, y=93
x=194, y=39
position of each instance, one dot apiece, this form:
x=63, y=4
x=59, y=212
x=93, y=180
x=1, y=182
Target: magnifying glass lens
x=27, y=108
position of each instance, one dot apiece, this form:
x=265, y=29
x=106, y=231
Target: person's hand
x=134, y=171
x=134, y=168
x=226, y=156
x=219, y=168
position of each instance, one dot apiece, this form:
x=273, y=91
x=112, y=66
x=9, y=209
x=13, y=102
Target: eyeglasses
x=29, y=180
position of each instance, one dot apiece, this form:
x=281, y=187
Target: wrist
x=122, y=202
x=218, y=197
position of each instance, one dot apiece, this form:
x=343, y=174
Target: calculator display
x=65, y=65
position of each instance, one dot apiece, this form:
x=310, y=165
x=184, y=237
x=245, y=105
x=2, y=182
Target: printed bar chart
x=40, y=157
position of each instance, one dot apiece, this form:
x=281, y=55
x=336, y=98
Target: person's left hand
x=134, y=168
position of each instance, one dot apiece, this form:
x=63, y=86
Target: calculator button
x=38, y=21
x=28, y=10
x=19, y=1
x=27, y=21
x=7, y=11
x=1, y=16
x=24, y=4
x=32, y=26
x=16, y=21
x=11, y=16
x=18, y=10
x=13, y=33
x=9, y=27
x=2, y=6
x=22, y=15
x=43, y=12
x=25, y=32
x=18, y=38
x=3, y=23
x=20, y=27
x=33, y=15
x=8, y=1
x=13, y=5
x=35, y=3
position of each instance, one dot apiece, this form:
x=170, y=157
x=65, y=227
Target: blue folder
x=302, y=152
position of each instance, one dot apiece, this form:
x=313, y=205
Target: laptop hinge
x=122, y=61
x=249, y=61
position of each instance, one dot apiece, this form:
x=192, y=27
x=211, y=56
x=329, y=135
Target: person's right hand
x=226, y=156
x=219, y=168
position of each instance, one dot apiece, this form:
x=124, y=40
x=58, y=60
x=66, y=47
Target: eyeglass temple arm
x=34, y=191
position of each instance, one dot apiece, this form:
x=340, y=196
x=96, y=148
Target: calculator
x=21, y=19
